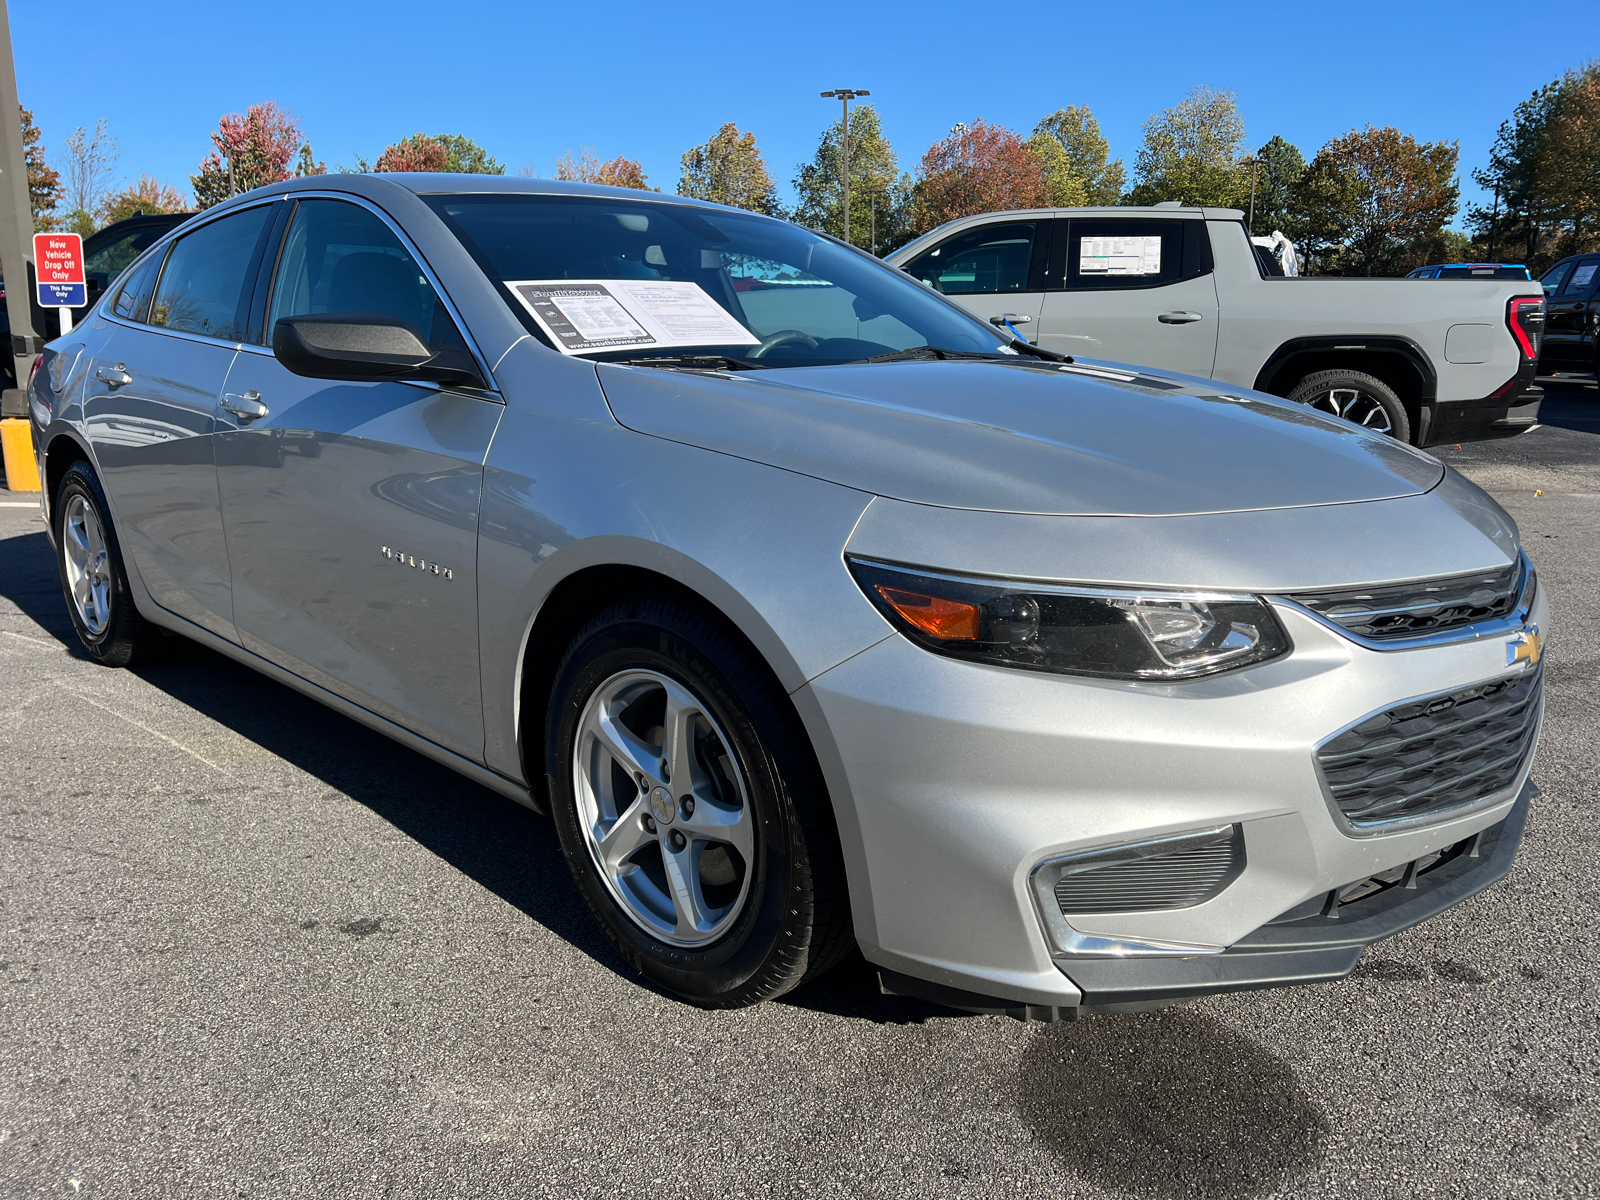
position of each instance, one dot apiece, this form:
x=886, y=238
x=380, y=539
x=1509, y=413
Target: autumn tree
x=148, y=195
x=419, y=152
x=1543, y=175
x=586, y=167
x=1278, y=167
x=249, y=151
x=879, y=191
x=1379, y=196
x=729, y=169
x=1084, y=164
x=86, y=166
x=44, y=182
x=977, y=168
x=1191, y=153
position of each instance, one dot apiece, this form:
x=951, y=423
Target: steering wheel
x=781, y=338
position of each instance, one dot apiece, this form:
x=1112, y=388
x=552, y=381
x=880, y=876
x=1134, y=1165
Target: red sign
x=58, y=264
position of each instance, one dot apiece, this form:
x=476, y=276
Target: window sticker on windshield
x=1581, y=277
x=591, y=316
x=1120, y=255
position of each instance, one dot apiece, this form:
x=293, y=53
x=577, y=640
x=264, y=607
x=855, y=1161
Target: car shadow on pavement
x=1168, y=1104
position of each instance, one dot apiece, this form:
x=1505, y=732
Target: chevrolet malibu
x=815, y=612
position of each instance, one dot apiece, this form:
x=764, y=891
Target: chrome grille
x=1436, y=753
x=1177, y=879
x=1424, y=606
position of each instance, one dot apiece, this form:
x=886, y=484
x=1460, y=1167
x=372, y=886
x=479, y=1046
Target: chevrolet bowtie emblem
x=1525, y=647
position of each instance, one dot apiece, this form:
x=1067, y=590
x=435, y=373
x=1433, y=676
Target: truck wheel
x=1357, y=397
x=93, y=578
x=690, y=810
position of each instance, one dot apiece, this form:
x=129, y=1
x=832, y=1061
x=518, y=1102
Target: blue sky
x=649, y=80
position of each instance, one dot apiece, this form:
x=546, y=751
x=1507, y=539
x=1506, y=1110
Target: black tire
x=1357, y=397
x=795, y=919
x=125, y=638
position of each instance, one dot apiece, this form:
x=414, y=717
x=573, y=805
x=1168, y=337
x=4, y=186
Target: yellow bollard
x=22, y=470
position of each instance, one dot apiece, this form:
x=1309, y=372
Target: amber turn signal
x=948, y=620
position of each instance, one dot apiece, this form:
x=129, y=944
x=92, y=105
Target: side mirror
x=366, y=347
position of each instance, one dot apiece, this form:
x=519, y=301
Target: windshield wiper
x=928, y=352
x=693, y=362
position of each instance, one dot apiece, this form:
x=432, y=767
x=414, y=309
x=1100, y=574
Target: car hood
x=1074, y=439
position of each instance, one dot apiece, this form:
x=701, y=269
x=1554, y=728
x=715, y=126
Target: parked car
x=106, y=252
x=1572, y=302
x=814, y=611
x=1472, y=271
x=1184, y=290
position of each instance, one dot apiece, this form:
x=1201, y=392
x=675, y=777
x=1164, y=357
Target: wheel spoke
x=96, y=539
x=77, y=545
x=677, y=745
x=633, y=753
x=626, y=835
x=713, y=822
x=688, y=901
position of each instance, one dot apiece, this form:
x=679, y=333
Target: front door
x=149, y=403
x=1133, y=290
x=351, y=509
x=994, y=270
x=1568, y=328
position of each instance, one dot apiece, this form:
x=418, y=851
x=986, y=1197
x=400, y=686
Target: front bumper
x=954, y=781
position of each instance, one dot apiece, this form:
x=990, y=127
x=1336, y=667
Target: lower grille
x=1433, y=754
x=1126, y=879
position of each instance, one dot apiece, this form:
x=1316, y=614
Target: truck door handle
x=1011, y=318
x=116, y=376
x=245, y=405
x=1179, y=318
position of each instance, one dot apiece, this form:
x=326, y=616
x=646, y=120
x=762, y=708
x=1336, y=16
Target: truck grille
x=1425, y=606
x=1436, y=753
x=1177, y=879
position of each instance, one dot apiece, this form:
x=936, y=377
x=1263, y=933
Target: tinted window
x=798, y=299
x=341, y=258
x=1552, y=279
x=1471, y=272
x=1124, y=254
x=133, y=301
x=112, y=259
x=987, y=261
x=202, y=289
x=1582, y=281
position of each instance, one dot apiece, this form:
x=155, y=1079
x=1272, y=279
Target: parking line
x=151, y=732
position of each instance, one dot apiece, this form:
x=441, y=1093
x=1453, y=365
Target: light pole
x=846, y=95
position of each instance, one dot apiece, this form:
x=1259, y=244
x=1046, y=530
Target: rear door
x=1133, y=290
x=351, y=509
x=1569, y=330
x=149, y=410
x=994, y=270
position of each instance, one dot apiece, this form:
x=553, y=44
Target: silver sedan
x=814, y=611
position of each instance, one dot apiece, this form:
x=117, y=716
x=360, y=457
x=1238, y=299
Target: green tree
x=1088, y=154
x=1278, y=167
x=1191, y=153
x=1378, y=199
x=464, y=156
x=44, y=182
x=729, y=169
x=308, y=163
x=1063, y=187
x=879, y=192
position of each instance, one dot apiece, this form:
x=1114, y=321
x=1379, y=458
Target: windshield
x=621, y=280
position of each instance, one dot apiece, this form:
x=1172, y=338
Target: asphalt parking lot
x=248, y=948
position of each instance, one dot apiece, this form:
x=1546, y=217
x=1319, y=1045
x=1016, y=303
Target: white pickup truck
x=1183, y=289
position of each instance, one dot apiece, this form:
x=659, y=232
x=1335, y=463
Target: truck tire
x=1356, y=397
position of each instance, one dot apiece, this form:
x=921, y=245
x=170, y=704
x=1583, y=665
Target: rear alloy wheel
x=93, y=578
x=1357, y=397
x=690, y=809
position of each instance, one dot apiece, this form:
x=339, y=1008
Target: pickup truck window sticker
x=1581, y=277
x=590, y=316
x=1120, y=255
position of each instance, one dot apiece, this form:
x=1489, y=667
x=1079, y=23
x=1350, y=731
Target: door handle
x=1010, y=319
x=1179, y=318
x=246, y=406
x=116, y=376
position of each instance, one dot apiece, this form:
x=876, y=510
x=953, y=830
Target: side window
x=1130, y=253
x=133, y=300
x=340, y=258
x=202, y=288
x=1552, y=279
x=1582, y=281
x=989, y=260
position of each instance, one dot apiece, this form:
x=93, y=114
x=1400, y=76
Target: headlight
x=1110, y=633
